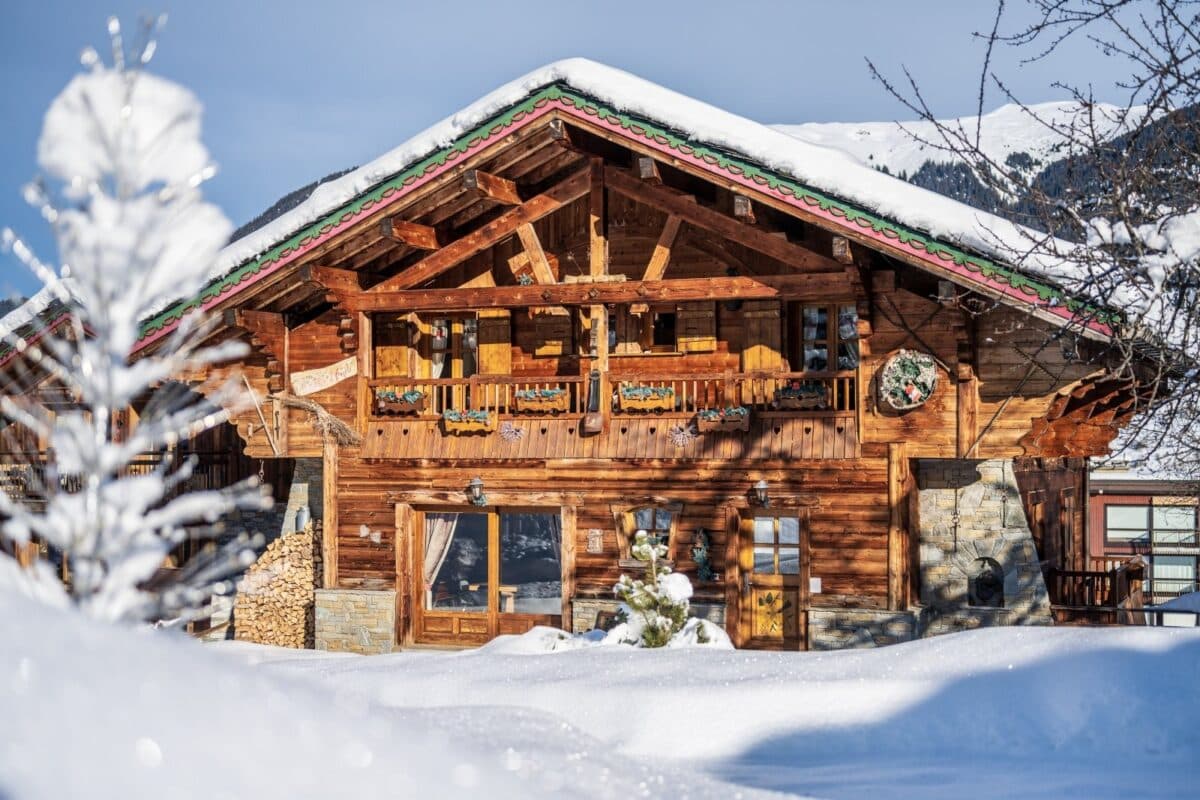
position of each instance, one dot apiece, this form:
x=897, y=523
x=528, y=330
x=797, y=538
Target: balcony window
x=825, y=338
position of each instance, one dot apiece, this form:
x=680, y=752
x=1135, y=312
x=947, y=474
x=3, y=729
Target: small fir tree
x=654, y=609
x=125, y=163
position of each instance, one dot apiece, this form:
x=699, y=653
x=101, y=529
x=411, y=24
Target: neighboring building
x=587, y=305
x=1132, y=513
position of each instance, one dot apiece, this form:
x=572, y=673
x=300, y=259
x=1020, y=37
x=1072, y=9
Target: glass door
x=774, y=567
x=487, y=573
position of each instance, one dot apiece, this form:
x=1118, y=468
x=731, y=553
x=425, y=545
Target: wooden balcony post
x=895, y=584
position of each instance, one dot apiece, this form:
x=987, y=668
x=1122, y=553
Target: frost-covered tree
x=655, y=609
x=124, y=164
x=1117, y=221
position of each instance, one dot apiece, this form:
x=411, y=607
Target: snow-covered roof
x=838, y=176
x=827, y=169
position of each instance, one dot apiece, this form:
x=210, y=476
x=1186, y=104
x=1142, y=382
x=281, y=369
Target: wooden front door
x=480, y=574
x=774, y=564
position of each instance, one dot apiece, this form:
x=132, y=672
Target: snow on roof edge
x=825, y=169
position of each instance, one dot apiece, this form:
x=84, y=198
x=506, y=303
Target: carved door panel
x=774, y=566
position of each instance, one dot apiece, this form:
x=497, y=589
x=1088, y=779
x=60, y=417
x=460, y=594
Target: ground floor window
x=504, y=561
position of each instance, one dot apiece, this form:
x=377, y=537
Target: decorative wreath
x=907, y=380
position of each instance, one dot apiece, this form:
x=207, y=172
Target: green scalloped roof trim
x=839, y=208
x=652, y=132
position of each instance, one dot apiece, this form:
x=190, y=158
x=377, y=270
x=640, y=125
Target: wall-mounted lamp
x=475, y=492
x=760, y=493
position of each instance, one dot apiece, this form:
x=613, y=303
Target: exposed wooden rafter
x=413, y=234
x=492, y=233
x=538, y=263
x=743, y=209
x=841, y=250
x=487, y=186
x=647, y=170
x=695, y=214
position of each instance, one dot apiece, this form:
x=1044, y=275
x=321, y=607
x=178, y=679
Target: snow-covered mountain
x=1025, y=140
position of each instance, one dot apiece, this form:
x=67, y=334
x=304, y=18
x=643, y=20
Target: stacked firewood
x=275, y=598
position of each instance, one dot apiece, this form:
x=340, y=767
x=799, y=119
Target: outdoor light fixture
x=760, y=492
x=475, y=492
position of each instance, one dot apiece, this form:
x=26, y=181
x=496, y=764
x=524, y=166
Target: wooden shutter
x=696, y=328
x=761, y=349
x=495, y=342
x=392, y=338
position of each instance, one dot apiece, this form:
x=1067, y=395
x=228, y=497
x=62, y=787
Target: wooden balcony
x=788, y=393
x=1110, y=597
x=791, y=416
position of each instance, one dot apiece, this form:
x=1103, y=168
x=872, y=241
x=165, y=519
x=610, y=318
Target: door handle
x=746, y=582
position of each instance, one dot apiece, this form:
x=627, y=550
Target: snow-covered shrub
x=123, y=153
x=654, y=609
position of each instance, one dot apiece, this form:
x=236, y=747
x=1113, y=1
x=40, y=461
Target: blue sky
x=295, y=90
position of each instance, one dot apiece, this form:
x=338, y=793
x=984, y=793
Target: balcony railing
x=760, y=391
x=498, y=394
x=799, y=393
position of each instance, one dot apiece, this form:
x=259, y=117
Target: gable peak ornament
x=907, y=380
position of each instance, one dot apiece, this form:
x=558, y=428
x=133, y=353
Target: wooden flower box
x=558, y=403
x=809, y=397
x=465, y=425
x=392, y=404
x=654, y=400
x=723, y=423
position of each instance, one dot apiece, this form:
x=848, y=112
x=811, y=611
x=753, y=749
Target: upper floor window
x=1166, y=524
x=828, y=340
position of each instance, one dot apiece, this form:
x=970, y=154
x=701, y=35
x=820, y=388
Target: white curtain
x=439, y=533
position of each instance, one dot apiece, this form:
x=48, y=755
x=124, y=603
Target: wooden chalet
x=572, y=319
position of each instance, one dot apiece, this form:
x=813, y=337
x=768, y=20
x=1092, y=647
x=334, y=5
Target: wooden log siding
x=848, y=530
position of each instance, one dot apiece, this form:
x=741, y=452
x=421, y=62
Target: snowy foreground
x=100, y=712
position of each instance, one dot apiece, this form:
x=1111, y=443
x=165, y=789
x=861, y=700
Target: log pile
x=275, y=598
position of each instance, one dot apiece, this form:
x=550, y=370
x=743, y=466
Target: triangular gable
x=723, y=164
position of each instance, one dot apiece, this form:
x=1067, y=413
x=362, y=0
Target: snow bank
x=91, y=710
x=1029, y=712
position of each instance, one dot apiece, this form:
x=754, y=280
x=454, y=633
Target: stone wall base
x=847, y=628
x=356, y=620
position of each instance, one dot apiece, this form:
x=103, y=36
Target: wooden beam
x=841, y=250
x=662, y=250
x=537, y=256
x=743, y=209
x=338, y=281
x=896, y=467
x=567, y=562
x=404, y=519
x=329, y=515
x=695, y=214
x=487, y=186
x=597, y=220
x=413, y=234
x=811, y=286
x=647, y=170
x=560, y=134
x=496, y=231
x=967, y=409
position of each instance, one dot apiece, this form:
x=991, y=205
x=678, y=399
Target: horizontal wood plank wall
x=849, y=530
x=903, y=320
x=640, y=437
